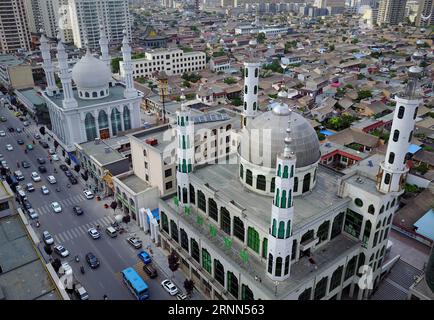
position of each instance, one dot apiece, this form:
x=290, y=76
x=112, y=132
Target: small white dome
x=91, y=73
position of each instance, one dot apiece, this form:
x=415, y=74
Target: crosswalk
x=79, y=231
x=16, y=134
x=65, y=203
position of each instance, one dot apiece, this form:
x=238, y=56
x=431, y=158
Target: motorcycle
x=77, y=258
x=38, y=224
x=82, y=270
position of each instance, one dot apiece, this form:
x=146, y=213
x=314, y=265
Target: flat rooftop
x=116, y=94
x=329, y=147
x=307, y=207
x=133, y=182
x=24, y=276
x=99, y=153
x=33, y=96
x=10, y=60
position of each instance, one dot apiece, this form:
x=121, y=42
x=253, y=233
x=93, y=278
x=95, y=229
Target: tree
x=260, y=38
x=188, y=286
x=56, y=264
x=173, y=260
x=115, y=64
x=230, y=80
x=48, y=249
x=237, y=101
x=114, y=205
x=363, y=94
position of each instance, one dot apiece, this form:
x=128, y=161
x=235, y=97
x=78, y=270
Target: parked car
x=92, y=260
x=94, y=233
x=29, y=147
x=37, y=136
x=45, y=190
x=169, y=287
x=81, y=292
x=63, y=167
x=32, y=213
x=72, y=180
x=18, y=175
x=77, y=210
x=2, y=133
x=150, y=271
x=9, y=147
x=48, y=239
x=20, y=142
x=56, y=207
x=40, y=160
x=30, y=187
x=181, y=296
x=27, y=205
x=51, y=151
x=51, y=179
x=88, y=194
x=55, y=157
x=145, y=257
x=68, y=173
x=136, y=243
x=25, y=164
x=61, y=251
x=42, y=169
x=36, y=177
x=44, y=144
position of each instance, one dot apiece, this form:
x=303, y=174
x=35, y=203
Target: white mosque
x=97, y=106
x=278, y=224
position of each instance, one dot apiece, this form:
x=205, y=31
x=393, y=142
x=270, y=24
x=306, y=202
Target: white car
x=94, y=233
x=9, y=147
x=36, y=177
x=88, y=194
x=61, y=251
x=2, y=133
x=56, y=207
x=51, y=179
x=48, y=239
x=32, y=213
x=169, y=287
x=55, y=157
x=45, y=190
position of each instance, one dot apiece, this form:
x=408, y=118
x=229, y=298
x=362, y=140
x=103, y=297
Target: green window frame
x=264, y=247
x=320, y=289
x=253, y=241
x=212, y=209
x=195, y=250
x=281, y=230
x=353, y=223
x=239, y=228
x=201, y=201
x=206, y=260
x=283, y=199
x=232, y=284
x=336, y=278
x=219, y=272
x=164, y=222
x=225, y=220
x=246, y=293
x=288, y=229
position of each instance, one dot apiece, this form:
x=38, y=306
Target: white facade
x=86, y=16
x=251, y=87
x=172, y=61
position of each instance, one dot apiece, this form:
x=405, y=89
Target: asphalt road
x=69, y=230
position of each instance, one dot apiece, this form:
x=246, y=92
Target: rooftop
x=24, y=276
x=116, y=94
x=10, y=60
x=101, y=152
x=133, y=182
x=307, y=208
x=33, y=96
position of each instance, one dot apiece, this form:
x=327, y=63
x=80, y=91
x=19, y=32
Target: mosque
x=96, y=106
x=277, y=224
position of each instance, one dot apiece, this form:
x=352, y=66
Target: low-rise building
x=15, y=73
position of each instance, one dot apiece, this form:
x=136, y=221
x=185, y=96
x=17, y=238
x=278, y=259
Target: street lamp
x=276, y=283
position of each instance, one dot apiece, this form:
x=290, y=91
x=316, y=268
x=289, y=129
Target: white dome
x=91, y=73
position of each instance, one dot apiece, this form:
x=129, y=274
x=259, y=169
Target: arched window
x=273, y=229
x=246, y=293
x=260, y=182
x=415, y=113
x=382, y=209
x=283, y=199
x=387, y=178
x=367, y=232
x=254, y=106
x=102, y=120
x=206, y=260
x=232, y=284
x=389, y=219
x=241, y=171
x=245, y=105
x=323, y=231
x=337, y=225
x=286, y=265
x=116, y=121
x=212, y=209
x=285, y=172
x=245, y=88
x=358, y=202
x=281, y=231
x=270, y=263
x=239, y=228
x=276, y=200
x=86, y=94
x=278, y=270
x=164, y=222
x=279, y=170
x=101, y=93
x=393, y=203
x=253, y=241
x=256, y=72
x=225, y=220
x=184, y=239
x=94, y=94
x=401, y=111
x=289, y=199
x=174, y=230
x=127, y=118
x=89, y=123
x=306, y=183
x=336, y=278
x=195, y=250
x=295, y=184
x=320, y=289
x=371, y=209
x=255, y=89
x=410, y=136
x=201, y=201
x=246, y=72
x=395, y=135
x=273, y=184
x=192, y=195
x=249, y=177
x=288, y=229
x=219, y=272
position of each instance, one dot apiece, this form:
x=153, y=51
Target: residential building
x=172, y=61
x=15, y=72
x=219, y=64
x=425, y=15
x=391, y=12
x=14, y=27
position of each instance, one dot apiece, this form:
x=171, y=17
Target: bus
x=135, y=283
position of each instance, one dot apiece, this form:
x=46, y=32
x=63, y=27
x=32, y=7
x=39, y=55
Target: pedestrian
x=18, y=164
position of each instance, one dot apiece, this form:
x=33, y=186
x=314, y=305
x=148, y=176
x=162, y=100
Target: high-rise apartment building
x=14, y=28
x=391, y=12
x=424, y=15
x=87, y=16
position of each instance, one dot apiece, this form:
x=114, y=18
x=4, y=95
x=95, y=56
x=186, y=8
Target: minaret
x=48, y=67
x=65, y=77
x=185, y=152
x=282, y=212
x=103, y=43
x=251, y=87
x=129, y=92
x=393, y=170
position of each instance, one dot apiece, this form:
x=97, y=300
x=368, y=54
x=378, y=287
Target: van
x=18, y=175
x=111, y=232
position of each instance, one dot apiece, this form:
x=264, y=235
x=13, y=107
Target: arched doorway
x=306, y=183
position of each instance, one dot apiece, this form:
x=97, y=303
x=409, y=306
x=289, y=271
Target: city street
x=69, y=230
